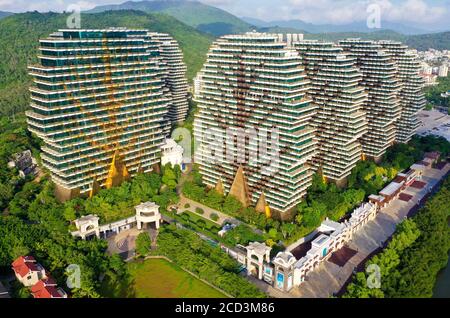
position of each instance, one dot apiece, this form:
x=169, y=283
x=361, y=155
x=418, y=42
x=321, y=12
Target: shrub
x=143, y=244
x=214, y=217
x=187, y=206
x=199, y=211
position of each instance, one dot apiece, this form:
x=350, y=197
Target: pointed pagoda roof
x=125, y=173
x=95, y=188
x=239, y=188
x=262, y=206
x=117, y=171
x=219, y=187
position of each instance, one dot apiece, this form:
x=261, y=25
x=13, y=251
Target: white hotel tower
x=412, y=98
x=340, y=121
x=174, y=76
x=380, y=80
x=255, y=81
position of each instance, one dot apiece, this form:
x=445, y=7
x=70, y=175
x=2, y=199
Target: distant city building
x=429, y=79
x=340, y=121
x=101, y=102
x=443, y=71
x=255, y=82
x=380, y=79
x=426, y=69
x=412, y=98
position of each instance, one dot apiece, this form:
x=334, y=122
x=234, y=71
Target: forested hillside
x=20, y=34
x=196, y=14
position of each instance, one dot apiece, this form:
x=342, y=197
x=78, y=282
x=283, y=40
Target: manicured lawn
x=158, y=278
x=195, y=217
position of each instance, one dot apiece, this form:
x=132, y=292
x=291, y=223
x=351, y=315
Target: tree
x=143, y=244
x=287, y=229
x=273, y=233
x=311, y=218
x=169, y=178
x=231, y=205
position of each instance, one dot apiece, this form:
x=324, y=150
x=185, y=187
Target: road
x=329, y=278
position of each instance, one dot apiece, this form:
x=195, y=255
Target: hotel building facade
x=174, y=76
x=412, y=98
x=255, y=82
x=340, y=121
x=381, y=82
x=99, y=106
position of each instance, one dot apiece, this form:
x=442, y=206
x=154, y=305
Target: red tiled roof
x=25, y=264
x=43, y=289
x=432, y=155
x=399, y=179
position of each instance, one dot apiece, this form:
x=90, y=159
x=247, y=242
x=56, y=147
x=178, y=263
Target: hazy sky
x=417, y=12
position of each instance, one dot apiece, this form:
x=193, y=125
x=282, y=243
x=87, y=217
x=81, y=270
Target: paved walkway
x=208, y=211
x=124, y=243
x=329, y=278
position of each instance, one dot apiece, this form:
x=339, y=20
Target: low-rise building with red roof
x=47, y=288
x=28, y=271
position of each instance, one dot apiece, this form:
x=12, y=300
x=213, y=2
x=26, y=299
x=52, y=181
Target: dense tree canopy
x=417, y=252
x=189, y=251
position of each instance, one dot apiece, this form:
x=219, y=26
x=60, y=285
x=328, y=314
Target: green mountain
x=4, y=14
x=196, y=14
x=438, y=41
x=20, y=34
x=376, y=35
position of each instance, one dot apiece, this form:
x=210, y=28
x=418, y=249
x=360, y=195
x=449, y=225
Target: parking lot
x=434, y=123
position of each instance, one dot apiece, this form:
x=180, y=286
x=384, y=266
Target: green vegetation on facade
x=20, y=34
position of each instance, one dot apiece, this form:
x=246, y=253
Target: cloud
x=425, y=12
x=51, y=5
x=346, y=11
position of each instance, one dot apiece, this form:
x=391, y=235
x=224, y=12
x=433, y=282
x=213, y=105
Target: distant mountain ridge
x=331, y=28
x=203, y=17
x=4, y=14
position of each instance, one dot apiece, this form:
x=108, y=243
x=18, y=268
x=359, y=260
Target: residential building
x=174, y=76
x=255, y=83
x=25, y=163
x=443, y=71
x=28, y=271
x=380, y=80
x=47, y=288
x=412, y=99
x=98, y=97
x=340, y=121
